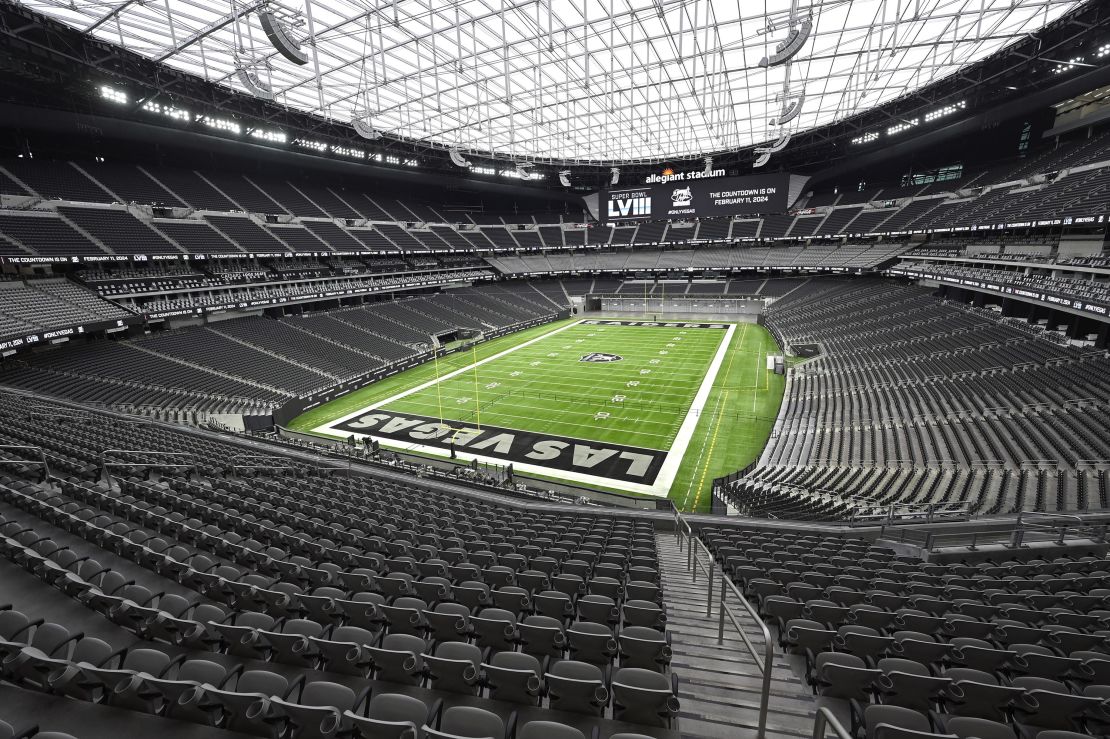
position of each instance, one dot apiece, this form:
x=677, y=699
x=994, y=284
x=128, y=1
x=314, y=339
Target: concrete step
x=719, y=682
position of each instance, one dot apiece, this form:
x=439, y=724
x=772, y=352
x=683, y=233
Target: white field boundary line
x=667, y=471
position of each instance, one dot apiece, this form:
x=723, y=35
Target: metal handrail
x=243, y=461
x=41, y=461
x=709, y=568
x=106, y=465
x=824, y=720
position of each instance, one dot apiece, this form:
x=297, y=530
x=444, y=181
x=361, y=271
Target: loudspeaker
x=280, y=38
x=791, y=46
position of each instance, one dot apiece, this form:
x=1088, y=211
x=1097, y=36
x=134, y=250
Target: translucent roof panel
x=572, y=80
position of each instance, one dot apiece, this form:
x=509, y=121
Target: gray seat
x=599, y=609
x=591, y=642
x=398, y=659
x=643, y=613
x=469, y=722
x=319, y=711
x=513, y=677
x=578, y=687
x=406, y=616
x=548, y=730
x=542, y=636
x=644, y=697
x=908, y=684
x=454, y=667
x=967, y=727
x=449, y=622
x=977, y=694
x=236, y=702
x=291, y=645
x=495, y=628
x=895, y=722
x=1049, y=705
x=644, y=647
x=845, y=676
x=345, y=650
x=390, y=716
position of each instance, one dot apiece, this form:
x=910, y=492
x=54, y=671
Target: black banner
x=724, y=196
x=13, y=343
x=565, y=454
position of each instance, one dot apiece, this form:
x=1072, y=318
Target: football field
x=637, y=407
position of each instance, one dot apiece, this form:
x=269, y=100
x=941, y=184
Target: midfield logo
x=600, y=357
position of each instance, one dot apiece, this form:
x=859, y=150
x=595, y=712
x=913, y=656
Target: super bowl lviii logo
x=682, y=197
x=632, y=205
x=600, y=357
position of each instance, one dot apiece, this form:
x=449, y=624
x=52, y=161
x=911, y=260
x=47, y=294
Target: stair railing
x=698, y=557
x=825, y=720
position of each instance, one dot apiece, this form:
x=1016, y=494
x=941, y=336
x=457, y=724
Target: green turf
x=544, y=388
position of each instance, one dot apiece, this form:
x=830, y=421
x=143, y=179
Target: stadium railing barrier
x=1030, y=527
x=825, y=720
x=38, y=459
x=106, y=464
x=695, y=552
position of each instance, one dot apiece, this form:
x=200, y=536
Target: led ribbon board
x=680, y=200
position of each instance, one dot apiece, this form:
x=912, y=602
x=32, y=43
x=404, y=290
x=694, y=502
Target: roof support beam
x=110, y=15
x=209, y=30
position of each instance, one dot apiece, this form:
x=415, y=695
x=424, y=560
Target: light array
x=220, y=124
x=314, y=145
x=903, y=126
x=1061, y=68
x=909, y=123
x=345, y=151
x=177, y=114
x=113, y=95
x=517, y=174
x=1103, y=50
x=946, y=110
x=275, y=137
x=228, y=125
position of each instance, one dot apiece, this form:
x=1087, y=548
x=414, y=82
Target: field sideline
x=633, y=408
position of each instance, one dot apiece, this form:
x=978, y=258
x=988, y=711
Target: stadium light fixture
x=1070, y=64
x=220, y=124
x=347, y=151
x=274, y=137
x=169, y=111
x=564, y=177
x=905, y=125
x=945, y=111
x=866, y=138
x=614, y=175
x=113, y=95
x=1103, y=50
x=310, y=144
